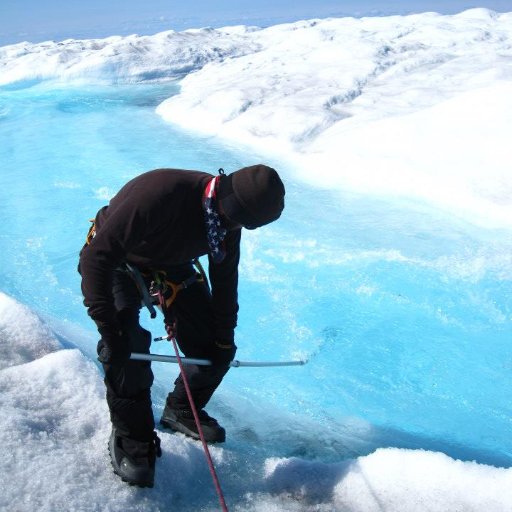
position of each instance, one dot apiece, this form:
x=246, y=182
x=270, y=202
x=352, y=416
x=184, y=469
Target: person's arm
x=224, y=283
x=123, y=228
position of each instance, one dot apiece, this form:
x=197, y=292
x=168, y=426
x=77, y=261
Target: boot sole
x=179, y=427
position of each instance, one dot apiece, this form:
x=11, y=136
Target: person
x=155, y=228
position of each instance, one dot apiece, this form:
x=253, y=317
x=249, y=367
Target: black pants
x=129, y=386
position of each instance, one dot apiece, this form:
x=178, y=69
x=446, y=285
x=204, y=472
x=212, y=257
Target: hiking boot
x=182, y=420
x=134, y=461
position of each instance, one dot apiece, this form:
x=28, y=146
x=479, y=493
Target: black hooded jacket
x=154, y=221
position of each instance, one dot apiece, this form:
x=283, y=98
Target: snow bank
x=415, y=107
x=393, y=480
x=23, y=336
x=133, y=58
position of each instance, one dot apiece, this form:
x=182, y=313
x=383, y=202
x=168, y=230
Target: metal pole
x=169, y=359
x=265, y=364
x=207, y=362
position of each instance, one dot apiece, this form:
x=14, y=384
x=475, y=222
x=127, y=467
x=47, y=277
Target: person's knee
x=140, y=340
x=130, y=380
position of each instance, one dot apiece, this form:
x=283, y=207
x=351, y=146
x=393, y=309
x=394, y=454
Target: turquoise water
x=404, y=315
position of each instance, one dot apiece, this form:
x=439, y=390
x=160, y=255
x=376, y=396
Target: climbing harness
x=169, y=288
x=158, y=283
x=141, y=286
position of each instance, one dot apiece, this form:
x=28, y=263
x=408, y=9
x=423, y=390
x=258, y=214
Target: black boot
x=182, y=420
x=134, y=461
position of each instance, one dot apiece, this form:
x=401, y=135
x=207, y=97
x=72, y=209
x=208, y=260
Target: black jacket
x=154, y=221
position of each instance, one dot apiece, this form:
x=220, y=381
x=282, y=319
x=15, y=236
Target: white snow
x=23, y=336
x=133, y=58
x=416, y=107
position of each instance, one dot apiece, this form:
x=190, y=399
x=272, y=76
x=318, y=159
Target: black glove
x=223, y=352
x=171, y=330
x=114, y=349
x=171, y=324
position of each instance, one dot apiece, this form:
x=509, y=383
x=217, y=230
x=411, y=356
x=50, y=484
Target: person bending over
x=155, y=228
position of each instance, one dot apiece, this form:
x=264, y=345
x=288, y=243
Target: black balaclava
x=252, y=196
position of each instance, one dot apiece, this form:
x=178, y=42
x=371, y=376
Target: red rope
x=171, y=337
x=200, y=430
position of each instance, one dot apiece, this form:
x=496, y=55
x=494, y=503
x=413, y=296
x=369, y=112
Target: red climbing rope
x=200, y=430
x=215, y=478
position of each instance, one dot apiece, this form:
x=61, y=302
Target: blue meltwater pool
x=404, y=314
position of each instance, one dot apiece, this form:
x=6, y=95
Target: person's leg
x=195, y=336
x=133, y=444
x=129, y=385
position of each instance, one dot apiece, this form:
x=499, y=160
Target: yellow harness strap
x=91, y=233
x=170, y=289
